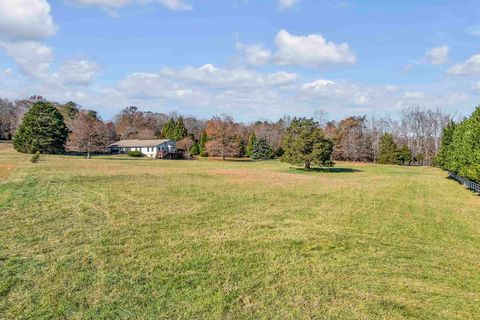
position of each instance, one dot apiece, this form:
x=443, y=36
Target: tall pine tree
x=168, y=129
x=179, y=131
x=387, y=150
x=201, y=144
x=251, y=141
x=444, y=158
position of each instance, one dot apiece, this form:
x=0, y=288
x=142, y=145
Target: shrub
x=135, y=153
x=35, y=157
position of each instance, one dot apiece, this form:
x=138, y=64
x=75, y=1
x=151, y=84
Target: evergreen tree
x=42, y=129
x=168, y=129
x=304, y=143
x=466, y=147
x=195, y=151
x=458, y=158
x=261, y=150
x=404, y=155
x=242, y=150
x=201, y=145
x=179, y=131
x=387, y=150
x=251, y=141
x=444, y=158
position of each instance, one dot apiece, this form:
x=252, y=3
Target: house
x=159, y=148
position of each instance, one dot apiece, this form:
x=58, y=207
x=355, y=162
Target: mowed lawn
x=120, y=238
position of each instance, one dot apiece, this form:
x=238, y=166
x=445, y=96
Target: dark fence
x=467, y=183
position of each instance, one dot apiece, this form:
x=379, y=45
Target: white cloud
x=25, y=19
x=175, y=4
x=476, y=87
x=110, y=4
x=282, y=4
x=469, y=67
x=239, y=92
x=407, y=68
x=310, y=50
x=438, y=55
x=116, y=4
x=440, y=99
x=255, y=54
x=152, y=85
x=216, y=77
x=391, y=88
x=7, y=73
x=77, y=72
x=355, y=98
x=319, y=85
x=33, y=58
x=342, y=93
x=413, y=95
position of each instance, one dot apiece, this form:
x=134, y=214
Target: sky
x=250, y=59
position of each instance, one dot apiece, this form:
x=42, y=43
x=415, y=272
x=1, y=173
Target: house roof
x=138, y=143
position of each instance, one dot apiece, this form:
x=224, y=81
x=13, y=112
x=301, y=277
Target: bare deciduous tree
x=132, y=123
x=352, y=142
x=89, y=134
x=421, y=129
x=186, y=144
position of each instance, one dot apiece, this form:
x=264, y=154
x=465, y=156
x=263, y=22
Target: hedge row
x=460, y=149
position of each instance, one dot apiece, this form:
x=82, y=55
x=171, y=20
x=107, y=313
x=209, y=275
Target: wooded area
x=416, y=134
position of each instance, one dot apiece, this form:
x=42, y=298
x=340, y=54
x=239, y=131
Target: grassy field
x=118, y=238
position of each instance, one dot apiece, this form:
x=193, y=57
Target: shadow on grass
x=228, y=159
x=461, y=184
x=327, y=170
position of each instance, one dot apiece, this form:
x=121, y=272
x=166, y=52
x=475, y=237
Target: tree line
x=412, y=139
x=460, y=147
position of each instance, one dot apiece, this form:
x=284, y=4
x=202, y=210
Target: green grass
x=120, y=238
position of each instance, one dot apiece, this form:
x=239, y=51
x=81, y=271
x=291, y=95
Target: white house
x=160, y=148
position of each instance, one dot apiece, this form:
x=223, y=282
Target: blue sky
x=250, y=59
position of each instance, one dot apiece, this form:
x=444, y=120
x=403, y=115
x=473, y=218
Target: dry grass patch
x=248, y=176
x=5, y=169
